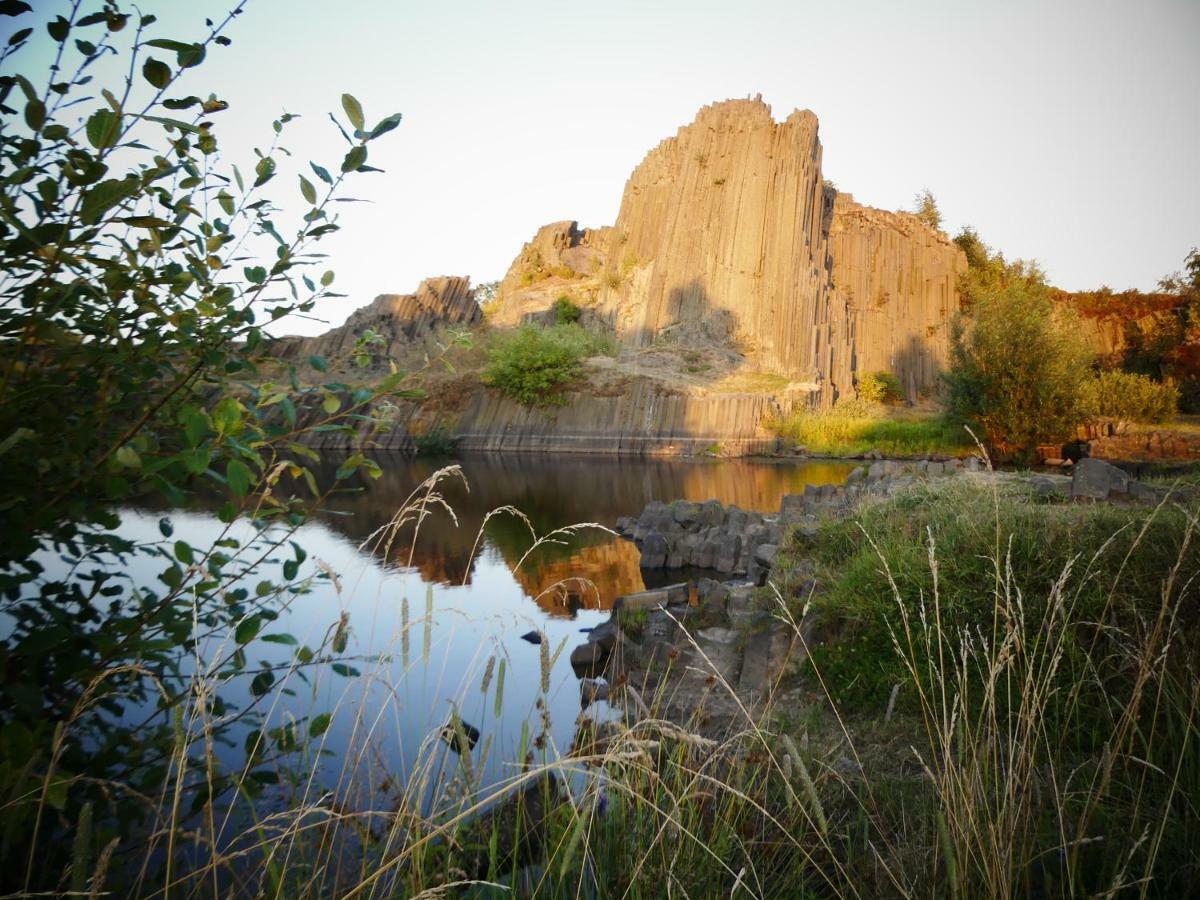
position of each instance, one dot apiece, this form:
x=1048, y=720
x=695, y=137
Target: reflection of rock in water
x=589, y=578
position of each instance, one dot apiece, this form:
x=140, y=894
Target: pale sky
x=1068, y=132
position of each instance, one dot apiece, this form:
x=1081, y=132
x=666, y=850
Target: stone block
x=1094, y=479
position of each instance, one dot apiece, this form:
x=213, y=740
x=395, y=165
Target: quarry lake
x=436, y=624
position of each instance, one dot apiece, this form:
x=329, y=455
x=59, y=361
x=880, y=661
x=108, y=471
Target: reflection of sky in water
x=478, y=608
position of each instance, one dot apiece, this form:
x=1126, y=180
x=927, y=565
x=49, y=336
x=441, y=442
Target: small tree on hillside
x=1017, y=368
x=926, y=209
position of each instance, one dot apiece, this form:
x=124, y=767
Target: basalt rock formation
x=896, y=279
x=727, y=232
x=398, y=319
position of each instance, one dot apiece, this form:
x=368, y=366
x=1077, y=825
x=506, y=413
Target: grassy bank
x=1000, y=701
x=859, y=429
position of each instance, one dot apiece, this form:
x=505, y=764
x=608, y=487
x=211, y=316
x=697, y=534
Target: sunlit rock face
x=398, y=320
x=896, y=283
x=728, y=234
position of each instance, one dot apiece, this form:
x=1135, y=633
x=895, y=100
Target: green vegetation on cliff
x=535, y=365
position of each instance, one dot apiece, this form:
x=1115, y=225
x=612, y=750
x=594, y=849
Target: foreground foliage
x=139, y=267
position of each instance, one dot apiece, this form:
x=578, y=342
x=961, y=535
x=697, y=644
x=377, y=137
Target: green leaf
x=345, y=671
x=106, y=195
x=388, y=124
x=195, y=424
x=227, y=416
x=327, y=278
x=128, y=458
x=196, y=461
x=255, y=274
x=264, y=171
x=287, y=639
x=35, y=114
x=226, y=201
x=157, y=72
x=349, y=467
x=322, y=173
x=307, y=190
x=317, y=362
x=165, y=527
x=183, y=553
x=247, y=629
x=59, y=29
x=239, y=477
x=186, y=55
x=353, y=111
x=331, y=404
x=262, y=683
x=103, y=128
x=319, y=725
x=56, y=792
x=354, y=159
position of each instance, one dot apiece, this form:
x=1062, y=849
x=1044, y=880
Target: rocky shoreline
x=724, y=641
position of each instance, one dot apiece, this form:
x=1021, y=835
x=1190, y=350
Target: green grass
x=1031, y=646
x=838, y=433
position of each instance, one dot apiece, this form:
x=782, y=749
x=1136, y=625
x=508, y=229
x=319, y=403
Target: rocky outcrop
x=896, y=279
x=642, y=421
x=726, y=221
x=398, y=319
x=733, y=541
x=727, y=233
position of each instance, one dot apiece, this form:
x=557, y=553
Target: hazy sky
x=1064, y=131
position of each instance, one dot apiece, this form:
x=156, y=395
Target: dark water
x=432, y=609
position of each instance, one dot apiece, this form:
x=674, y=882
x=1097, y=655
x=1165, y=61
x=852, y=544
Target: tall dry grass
x=1053, y=753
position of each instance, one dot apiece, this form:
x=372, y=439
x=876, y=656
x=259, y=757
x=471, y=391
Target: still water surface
x=428, y=612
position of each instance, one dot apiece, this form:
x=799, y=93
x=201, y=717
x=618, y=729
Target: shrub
x=566, y=312
x=533, y=365
x=1127, y=397
x=881, y=387
x=435, y=442
x=1016, y=367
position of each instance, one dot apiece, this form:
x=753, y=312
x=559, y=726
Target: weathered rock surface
x=399, y=319
x=896, y=280
x=1094, y=479
x=728, y=234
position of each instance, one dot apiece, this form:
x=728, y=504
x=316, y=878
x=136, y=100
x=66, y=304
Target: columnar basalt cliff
x=727, y=232
x=398, y=319
x=896, y=281
x=739, y=283
x=728, y=220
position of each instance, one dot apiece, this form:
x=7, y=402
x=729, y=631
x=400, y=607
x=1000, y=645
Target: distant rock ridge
x=398, y=319
x=727, y=231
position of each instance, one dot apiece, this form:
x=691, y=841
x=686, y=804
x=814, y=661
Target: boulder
x=685, y=512
x=791, y=508
x=1094, y=479
x=720, y=646
x=654, y=551
x=1046, y=487
x=712, y=513
x=605, y=635
x=728, y=553
x=764, y=554
x=588, y=659
x=672, y=595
